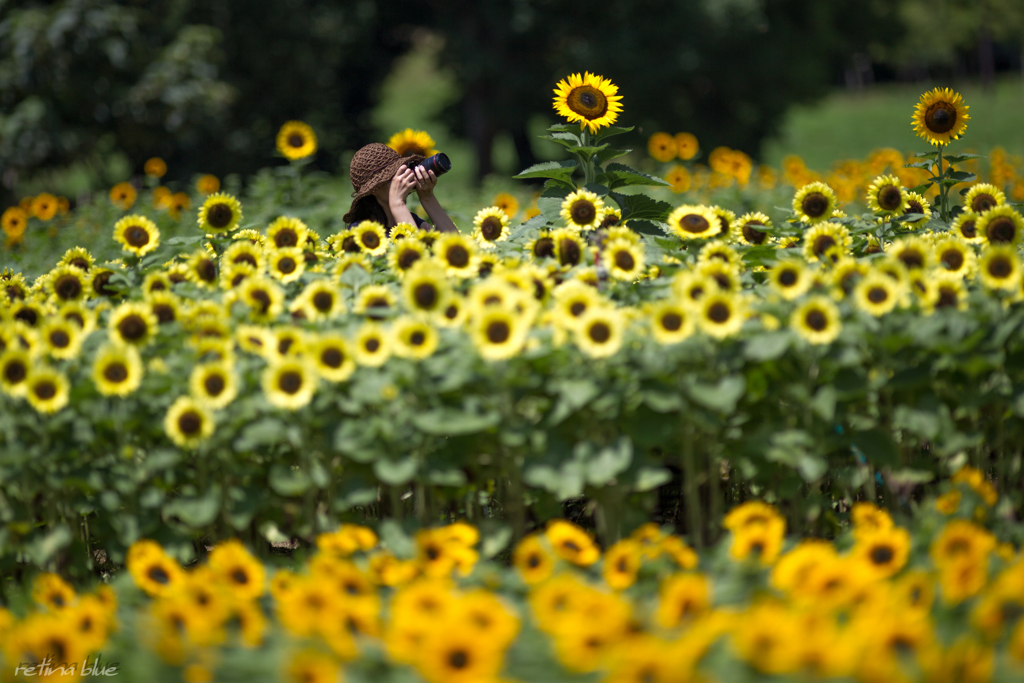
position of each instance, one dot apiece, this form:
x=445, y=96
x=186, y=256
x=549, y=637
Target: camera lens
x=439, y=164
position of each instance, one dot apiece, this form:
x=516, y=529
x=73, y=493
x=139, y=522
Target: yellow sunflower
x=371, y=238
x=409, y=142
x=507, y=203
x=816, y=320
x=413, y=338
x=137, y=234
x=946, y=290
x=371, y=345
x=814, y=203
x=747, y=229
x=66, y=283
x=913, y=252
x=490, y=225
x=721, y=314
x=213, y=385
x=123, y=195
x=622, y=564
x=999, y=268
x=625, y=259
x=14, y=220
x=320, y=300
x=826, y=242
x=458, y=254
x=670, y=322
x=264, y=298
x=46, y=389
x=572, y=543
x=79, y=257
x=287, y=264
x=886, y=195
x=220, y=213
x=117, y=370
x=187, y=423
x=375, y=301
x=570, y=247
x=296, y=140
x=662, y=147
x=678, y=178
x=202, y=269
x=15, y=365
x=790, y=278
x=286, y=231
x=582, y=210
x=404, y=253
x=916, y=204
x=425, y=288
x=497, y=333
x=983, y=197
x=940, y=116
x=542, y=246
x=1001, y=225
x=683, y=597
x=599, y=331
x=457, y=654
x=60, y=338
x=590, y=100
x=877, y=293
x=965, y=226
x=331, y=355
x=694, y=222
x=289, y=383
x=132, y=323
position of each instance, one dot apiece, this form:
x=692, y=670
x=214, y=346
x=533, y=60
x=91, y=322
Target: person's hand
x=402, y=185
x=425, y=182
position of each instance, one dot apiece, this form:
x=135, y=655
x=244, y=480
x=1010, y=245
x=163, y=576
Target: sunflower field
x=696, y=422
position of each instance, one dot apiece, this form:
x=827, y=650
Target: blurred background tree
x=89, y=89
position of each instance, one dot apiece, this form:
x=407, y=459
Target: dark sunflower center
x=912, y=259
x=349, y=245
x=116, y=372
x=498, y=332
x=624, y=260
x=914, y=206
x=214, y=385
x=246, y=258
x=425, y=295
x=164, y=313
x=814, y=205
x=571, y=546
x=206, y=270
x=75, y=318
x=290, y=382
x=953, y=259
x=286, y=265
x=569, y=252
x=544, y=248
x=599, y=332
x=370, y=239
x=27, y=315
x=890, y=197
x=132, y=328
x=190, y=422
x=982, y=202
x=68, y=287
x=719, y=312
x=947, y=297
x=672, y=321
x=583, y=211
x=588, y=102
x=239, y=576
x=491, y=228
x=577, y=308
x=968, y=230
x=1002, y=230
x=408, y=257
x=816, y=320
x=533, y=561
x=458, y=659
x=220, y=216
x=284, y=344
x=417, y=338
x=15, y=372
x=877, y=295
x=59, y=339
x=693, y=223
x=788, y=278
x=457, y=256
x=610, y=220
x=286, y=237
x=44, y=389
x=371, y=345
x=332, y=357
x=323, y=301
x=452, y=312
x=940, y=117
x=752, y=234
x=881, y=554
x=296, y=140
x=823, y=243
x=262, y=298
x=1000, y=268
x=136, y=236
x=15, y=292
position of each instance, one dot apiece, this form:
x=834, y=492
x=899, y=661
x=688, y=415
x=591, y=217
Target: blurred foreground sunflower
x=296, y=140
x=409, y=141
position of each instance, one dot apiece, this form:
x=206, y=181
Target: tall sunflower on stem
x=941, y=117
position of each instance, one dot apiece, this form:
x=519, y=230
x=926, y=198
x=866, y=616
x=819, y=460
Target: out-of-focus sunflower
x=117, y=370
x=599, y=331
x=287, y=232
x=187, y=423
x=826, y=242
x=165, y=306
x=44, y=206
x=404, y=254
x=625, y=260
x=507, y=203
x=747, y=229
x=375, y=301
x=286, y=265
x=590, y=100
x=244, y=251
x=983, y=197
x=1001, y=226
x=490, y=226
x=955, y=257
x=817, y=320
x=458, y=254
x=542, y=246
x=137, y=234
x=497, y=333
x=425, y=288
x=213, y=385
x=202, y=269
x=66, y=284
x=413, y=338
x=155, y=167
x=409, y=142
x=162, y=197
x=572, y=543
x=46, y=389
x=220, y=213
x=582, y=209
x=79, y=315
x=264, y=298
x=694, y=222
x=913, y=252
x=886, y=195
x=686, y=145
x=453, y=312
x=999, y=268
x=332, y=357
x=14, y=221
x=678, y=179
x=965, y=226
x=289, y=383
x=60, y=338
x=371, y=345
x=288, y=341
x=877, y=293
x=814, y=203
x=721, y=314
x=916, y=204
x=208, y=184
x=123, y=196
x=15, y=365
x=940, y=116
x=296, y=140
x=570, y=249
x=178, y=202
x=132, y=323
x=321, y=300
x=662, y=147
x=670, y=322
x=78, y=257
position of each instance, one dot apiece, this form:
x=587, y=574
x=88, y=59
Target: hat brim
x=380, y=177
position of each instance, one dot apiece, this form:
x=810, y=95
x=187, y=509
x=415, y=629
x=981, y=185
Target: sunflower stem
x=942, y=189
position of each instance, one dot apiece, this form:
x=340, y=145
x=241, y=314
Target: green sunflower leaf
x=620, y=175
x=641, y=207
x=559, y=170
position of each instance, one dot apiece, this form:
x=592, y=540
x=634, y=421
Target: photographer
x=382, y=180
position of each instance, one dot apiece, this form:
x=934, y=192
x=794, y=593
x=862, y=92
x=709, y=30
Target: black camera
x=439, y=164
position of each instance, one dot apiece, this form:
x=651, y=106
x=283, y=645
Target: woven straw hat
x=372, y=166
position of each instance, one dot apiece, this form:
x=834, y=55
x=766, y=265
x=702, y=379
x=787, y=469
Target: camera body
x=439, y=164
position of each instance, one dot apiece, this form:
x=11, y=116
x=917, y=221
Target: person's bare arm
x=425, y=182
x=402, y=185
